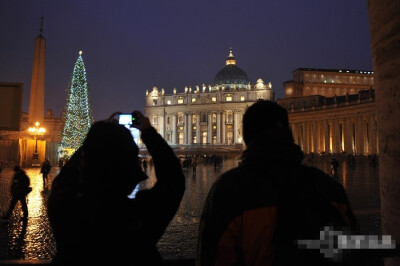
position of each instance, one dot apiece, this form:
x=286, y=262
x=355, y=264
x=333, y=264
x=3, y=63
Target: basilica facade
x=208, y=115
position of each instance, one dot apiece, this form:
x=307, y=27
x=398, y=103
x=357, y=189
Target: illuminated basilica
x=331, y=111
x=207, y=114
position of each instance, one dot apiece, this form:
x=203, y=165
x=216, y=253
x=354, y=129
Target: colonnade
x=355, y=135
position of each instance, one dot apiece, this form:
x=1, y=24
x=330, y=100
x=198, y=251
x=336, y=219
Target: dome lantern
x=231, y=59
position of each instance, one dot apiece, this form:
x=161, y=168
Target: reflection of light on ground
x=35, y=199
x=35, y=209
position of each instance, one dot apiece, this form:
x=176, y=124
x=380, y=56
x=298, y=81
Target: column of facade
x=316, y=137
x=235, y=127
x=348, y=136
x=198, y=137
x=372, y=134
x=218, y=127
x=161, y=124
x=185, y=128
x=240, y=126
x=174, y=128
x=209, y=127
x=327, y=136
x=223, y=129
x=190, y=128
x=359, y=136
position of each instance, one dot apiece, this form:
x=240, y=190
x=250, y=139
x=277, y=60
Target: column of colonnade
x=348, y=135
x=373, y=135
x=351, y=134
x=359, y=136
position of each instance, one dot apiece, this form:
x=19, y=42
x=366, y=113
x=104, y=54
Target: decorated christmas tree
x=77, y=113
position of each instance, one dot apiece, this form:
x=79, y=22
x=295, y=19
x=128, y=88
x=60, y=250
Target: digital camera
x=128, y=120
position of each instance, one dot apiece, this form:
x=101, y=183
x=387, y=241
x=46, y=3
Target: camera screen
x=126, y=120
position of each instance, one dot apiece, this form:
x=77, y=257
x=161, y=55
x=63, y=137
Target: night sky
x=130, y=46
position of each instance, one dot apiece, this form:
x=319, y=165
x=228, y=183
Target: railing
x=7, y=164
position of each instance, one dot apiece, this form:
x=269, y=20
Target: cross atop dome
x=231, y=59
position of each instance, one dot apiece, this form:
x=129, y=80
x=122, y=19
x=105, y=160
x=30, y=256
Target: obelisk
x=36, y=101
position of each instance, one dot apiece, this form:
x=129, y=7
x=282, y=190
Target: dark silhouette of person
x=45, y=170
x=20, y=188
x=194, y=166
x=334, y=166
x=255, y=212
x=93, y=220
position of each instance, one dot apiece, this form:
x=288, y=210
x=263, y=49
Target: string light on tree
x=77, y=112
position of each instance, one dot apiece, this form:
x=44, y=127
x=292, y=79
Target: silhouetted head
x=110, y=158
x=17, y=168
x=261, y=117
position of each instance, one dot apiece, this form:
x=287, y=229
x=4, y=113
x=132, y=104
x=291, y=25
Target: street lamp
x=35, y=131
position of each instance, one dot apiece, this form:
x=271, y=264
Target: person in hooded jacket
x=93, y=220
x=255, y=212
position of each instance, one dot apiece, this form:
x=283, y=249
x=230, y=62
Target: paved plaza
x=34, y=239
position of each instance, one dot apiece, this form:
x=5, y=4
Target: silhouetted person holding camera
x=255, y=212
x=93, y=220
x=20, y=188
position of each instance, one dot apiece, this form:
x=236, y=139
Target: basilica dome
x=231, y=74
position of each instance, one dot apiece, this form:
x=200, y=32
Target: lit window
x=289, y=91
x=169, y=102
x=214, y=127
x=228, y=98
x=214, y=99
x=242, y=98
x=180, y=128
x=154, y=102
x=180, y=100
x=193, y=100
x=194, y=127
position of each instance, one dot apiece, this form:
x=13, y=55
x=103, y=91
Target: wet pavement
x=34, y=239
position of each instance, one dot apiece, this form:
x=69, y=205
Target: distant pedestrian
x=194, y=165
x=45, y=170
x=334, y=166
x=20, y=188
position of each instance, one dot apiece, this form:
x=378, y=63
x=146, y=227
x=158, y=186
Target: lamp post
x=35, y=131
